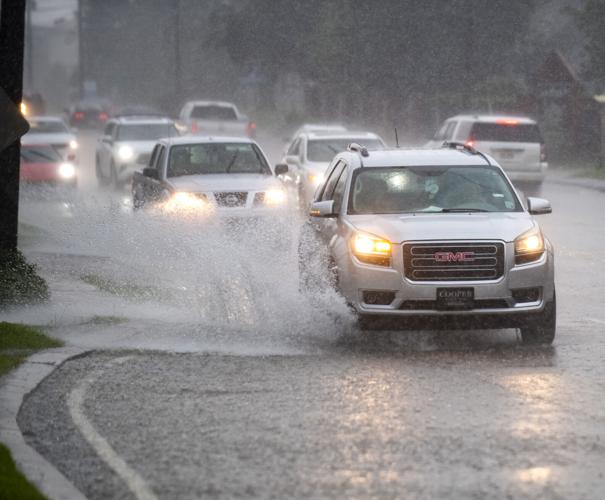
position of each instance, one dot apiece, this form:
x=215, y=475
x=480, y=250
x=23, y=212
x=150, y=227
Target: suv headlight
x=125, y=153
x=371, y=249
x=529, y=247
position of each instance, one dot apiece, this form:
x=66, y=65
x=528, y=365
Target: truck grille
x=231, y=199
x=453, y=261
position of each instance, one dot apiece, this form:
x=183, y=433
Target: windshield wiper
x=457, y=209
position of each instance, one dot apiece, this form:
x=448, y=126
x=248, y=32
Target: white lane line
x=75, y=403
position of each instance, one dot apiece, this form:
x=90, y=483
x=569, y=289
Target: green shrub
x=19, y=281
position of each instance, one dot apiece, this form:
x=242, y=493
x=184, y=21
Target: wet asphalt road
x=347, y=414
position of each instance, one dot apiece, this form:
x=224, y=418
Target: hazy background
x=377, y=64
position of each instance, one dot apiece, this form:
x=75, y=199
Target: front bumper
x=492, y=298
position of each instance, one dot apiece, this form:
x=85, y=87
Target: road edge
x=584, y=182
x=14, y=387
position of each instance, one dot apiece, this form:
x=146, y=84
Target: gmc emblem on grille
x=454, y=256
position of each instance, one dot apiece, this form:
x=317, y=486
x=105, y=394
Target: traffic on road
x=293, y=253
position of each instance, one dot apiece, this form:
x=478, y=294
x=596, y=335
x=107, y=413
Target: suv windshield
x=146, y=132
x=225, y=158
x=431, y=189
x=39, y=154
x=213, y=113
x=47, y=127
x=496, y=132
x=325, y=149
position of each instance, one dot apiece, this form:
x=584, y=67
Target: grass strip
x=13, y=484
x=16, y=343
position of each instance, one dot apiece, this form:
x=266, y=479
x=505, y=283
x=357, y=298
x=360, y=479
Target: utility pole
x=12, y=35
x=29, y=44
x=178, y=86
x=80, y=51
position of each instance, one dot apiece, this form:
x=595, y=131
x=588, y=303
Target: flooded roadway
x=277, y=398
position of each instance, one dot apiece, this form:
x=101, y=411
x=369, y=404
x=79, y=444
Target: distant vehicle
x=310, y=153
x=215, y=118
x=126, y=144
x=90, y=113
x=430, y=235
x=319, y=127
x=32, y=104
x=54, y=131
x=41, y=164
x=515, y=141
x=139, y=110
x=210, y=176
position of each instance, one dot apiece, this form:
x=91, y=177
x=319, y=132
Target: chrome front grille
x=453, y=261
x=231, y=199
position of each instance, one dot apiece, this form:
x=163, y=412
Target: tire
x=137, y=201
x=542, y=329
x=101, y=180
x=316, y=267
x=113, y=176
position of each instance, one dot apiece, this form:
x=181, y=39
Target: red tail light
x=194, y=128
x=78, y=115
x=511, y=122
x=251, y=129
x=542, y=152
x=103, y=116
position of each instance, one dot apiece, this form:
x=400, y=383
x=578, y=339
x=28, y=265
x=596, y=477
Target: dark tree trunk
x=12, y=31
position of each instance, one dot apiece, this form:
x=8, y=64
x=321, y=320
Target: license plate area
x=455, y=299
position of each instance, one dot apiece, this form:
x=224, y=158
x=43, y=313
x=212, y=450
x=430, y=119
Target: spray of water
x=177, y=281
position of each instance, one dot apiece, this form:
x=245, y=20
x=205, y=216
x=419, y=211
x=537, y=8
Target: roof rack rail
x=465, y=147
x=358, y=148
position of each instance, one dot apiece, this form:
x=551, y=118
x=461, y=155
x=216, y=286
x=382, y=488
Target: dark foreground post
x=12, y=30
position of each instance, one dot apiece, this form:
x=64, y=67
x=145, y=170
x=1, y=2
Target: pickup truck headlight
x=275, y=196
x=529, y=247
x=182, y=201
x=73, y=144
x=125, y=153
x=371, y=249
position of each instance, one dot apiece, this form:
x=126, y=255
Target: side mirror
x=323, y=209
x=150, y=172
x=143, y=159
x=538, y=206
x=281, y=169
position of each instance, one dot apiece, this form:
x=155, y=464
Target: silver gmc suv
x=426, y=238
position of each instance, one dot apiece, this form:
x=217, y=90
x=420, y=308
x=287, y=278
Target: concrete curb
x=13, y=389
x=595, y=184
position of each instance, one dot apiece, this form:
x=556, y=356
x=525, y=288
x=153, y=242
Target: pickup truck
x=215, y=118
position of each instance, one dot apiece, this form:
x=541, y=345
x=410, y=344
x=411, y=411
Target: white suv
x=515, y=142
x=438, y=236
x=126, y=144
x=310, y=153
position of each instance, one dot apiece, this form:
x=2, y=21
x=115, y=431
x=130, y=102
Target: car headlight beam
x=529, y=246
x=316, y=179
x=125, y=153
x=275, y=196
x=371, y=249
x=73, y=144
x=67, y=171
